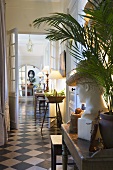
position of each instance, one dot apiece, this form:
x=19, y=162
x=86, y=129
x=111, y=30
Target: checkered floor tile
x=26, y=149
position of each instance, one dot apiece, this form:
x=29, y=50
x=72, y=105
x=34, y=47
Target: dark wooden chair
x=39, y=103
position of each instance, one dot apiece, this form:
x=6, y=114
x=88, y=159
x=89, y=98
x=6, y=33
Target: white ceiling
x=39, y=43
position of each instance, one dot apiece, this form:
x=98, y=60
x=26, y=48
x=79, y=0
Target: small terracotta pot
x=106, y=129
x=74, y=122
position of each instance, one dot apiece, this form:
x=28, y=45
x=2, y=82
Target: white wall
x=75, y=7
x=29, y=60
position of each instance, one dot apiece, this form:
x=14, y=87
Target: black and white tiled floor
x=26, y=149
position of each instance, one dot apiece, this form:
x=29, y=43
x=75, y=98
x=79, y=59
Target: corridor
x=26, y=149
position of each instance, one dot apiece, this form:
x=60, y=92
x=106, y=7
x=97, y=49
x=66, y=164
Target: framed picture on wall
x=63, y=63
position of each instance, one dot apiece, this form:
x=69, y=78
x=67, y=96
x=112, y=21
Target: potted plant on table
x=96, y=56
x=102, y=18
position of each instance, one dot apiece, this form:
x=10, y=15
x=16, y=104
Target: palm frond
x=91, y=45
x=63, y=25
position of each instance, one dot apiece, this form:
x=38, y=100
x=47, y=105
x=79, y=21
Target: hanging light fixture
x=29, y=45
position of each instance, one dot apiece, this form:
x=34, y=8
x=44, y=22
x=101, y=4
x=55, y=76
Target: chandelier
x=29, y=45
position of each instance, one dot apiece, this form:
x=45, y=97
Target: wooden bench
x=56, y=149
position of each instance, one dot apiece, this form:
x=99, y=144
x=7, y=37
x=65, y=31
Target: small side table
x=57, y=100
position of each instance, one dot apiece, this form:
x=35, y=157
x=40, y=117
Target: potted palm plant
x=96, y=56
x=102, y=69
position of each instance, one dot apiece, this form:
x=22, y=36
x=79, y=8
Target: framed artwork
x=31, y=75
x=63, y=64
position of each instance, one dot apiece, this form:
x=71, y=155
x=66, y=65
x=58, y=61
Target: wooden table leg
x=35, y=107
x=64, y=155
x=44, y=118
x=59, y=117
x=54, y=162
x=53, y=158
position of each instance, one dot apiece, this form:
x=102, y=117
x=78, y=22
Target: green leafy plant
x=96, y=41
x=53, y=93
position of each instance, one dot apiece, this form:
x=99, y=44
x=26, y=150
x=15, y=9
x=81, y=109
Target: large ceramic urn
x=106, y=129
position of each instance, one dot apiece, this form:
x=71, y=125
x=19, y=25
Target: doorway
x=26, y=85
x=31, y=61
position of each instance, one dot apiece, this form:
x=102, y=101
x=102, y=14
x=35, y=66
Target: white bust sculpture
x=91, y=94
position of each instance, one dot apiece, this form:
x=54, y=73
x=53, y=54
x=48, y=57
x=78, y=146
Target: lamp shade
x=55, y=74
x=40, y=74
x=45, y=69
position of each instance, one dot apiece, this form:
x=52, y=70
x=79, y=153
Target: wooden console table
x=79, y=149
x=56, y=100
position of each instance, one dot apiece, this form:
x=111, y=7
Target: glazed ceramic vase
x=106, y=129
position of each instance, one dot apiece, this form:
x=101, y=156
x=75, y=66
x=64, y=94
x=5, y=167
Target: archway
x=26, y=85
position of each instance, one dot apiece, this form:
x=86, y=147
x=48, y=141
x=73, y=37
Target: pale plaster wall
x=75, y=7
x=34, y=60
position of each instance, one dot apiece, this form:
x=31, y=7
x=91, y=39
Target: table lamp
x=46, y=70
x=55, y=74
x=40, y=75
